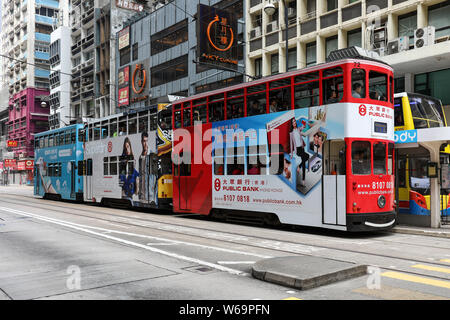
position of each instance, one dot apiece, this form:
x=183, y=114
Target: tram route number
x=232, y=198
x=382, y=185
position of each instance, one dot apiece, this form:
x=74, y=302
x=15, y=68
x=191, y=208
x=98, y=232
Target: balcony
x=40, y=73
x=48, y=3
x=45, y=20
x=42, y=55
x=42, y=37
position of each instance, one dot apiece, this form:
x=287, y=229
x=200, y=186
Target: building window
x=170, y=37
x=434, y=84
x=406, y=25
x=258, y=67
x=438, y=16
x=292, y=59
x=354, y=38
x=399, y=85
x=311, y=54
x=135, y=51
x=274, y=64
x=331, y=44
x=125, y=56
x=170, y=71
x=332, y=4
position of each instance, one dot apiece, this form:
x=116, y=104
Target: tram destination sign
x=216, y=38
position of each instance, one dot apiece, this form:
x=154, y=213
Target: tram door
x=89, y=191
x=334, y=183
x=72, y=178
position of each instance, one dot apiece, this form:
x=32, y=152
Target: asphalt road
x=63, y=250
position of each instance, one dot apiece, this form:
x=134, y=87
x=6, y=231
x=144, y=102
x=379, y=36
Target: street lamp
x=270, y=9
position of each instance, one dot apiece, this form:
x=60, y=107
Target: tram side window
x=73, y=136
x=391, y=159
x=132, y=125
x=219, y=162
x=379, y=158
x=216, y=111
x=177, y=122
x=256, y=104
x=361, y=157
x=358, y=83
x=81, y=135
x=378, y=86
x=50, y=141
x=154, y=122
x=113, y=166
x=143, y=122
x=235, y=108
x=235, y=165
x=106, y=166
x=199, y=114
x=41, y=142
x=123, y=126
x=113, y=128
x=105, y=130
x=398, y=113
x=67, y=138
x=307, y=95
x=186, y=117
x=280, y=100
x=333, y=89
x=91, y=135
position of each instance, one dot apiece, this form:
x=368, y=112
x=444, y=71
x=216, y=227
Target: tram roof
x=367, y=61
x=70, y=127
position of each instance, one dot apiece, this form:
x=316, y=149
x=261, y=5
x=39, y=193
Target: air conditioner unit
x=254, y=33
x=272, y=26
x=398, y=45
x=424, y=36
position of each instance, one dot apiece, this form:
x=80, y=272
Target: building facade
x=317, y=27
x=163, y=43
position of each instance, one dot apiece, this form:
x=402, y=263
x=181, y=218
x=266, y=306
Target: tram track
x=129, y=222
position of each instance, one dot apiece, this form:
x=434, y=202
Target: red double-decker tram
x=310, y=147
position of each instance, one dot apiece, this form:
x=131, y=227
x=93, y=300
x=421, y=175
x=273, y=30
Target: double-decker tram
x=412, y=112
x=311, y=147
x=57, y=154
x=127, y=158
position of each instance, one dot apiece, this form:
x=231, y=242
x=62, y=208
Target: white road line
x=235, y=262
x=84, y=229
x=109, y=231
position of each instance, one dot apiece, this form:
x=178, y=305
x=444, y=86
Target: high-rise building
x=411, y=35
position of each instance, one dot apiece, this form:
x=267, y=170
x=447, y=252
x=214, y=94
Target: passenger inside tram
x=273, y=105
x=332, y=97
x=357, y=90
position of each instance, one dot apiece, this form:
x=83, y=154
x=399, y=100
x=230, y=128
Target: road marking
x=416, y=279
x=235, y=262
x=166, y=253
x=161, y=244
x=445, y=260
x=292, y=298
x=392, y=293
x=431, y=268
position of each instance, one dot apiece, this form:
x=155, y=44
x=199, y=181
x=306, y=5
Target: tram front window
x=361, y=155
x=419, y=180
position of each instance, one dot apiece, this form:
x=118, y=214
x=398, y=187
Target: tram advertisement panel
x=273, y=160
x=121, y=167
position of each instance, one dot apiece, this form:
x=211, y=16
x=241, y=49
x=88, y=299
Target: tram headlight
x=381, y=201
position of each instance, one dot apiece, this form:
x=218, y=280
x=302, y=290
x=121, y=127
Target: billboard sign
x=124, y=38
x=139, y=82
x=124, y=86
x=11, y=144
x=130, y=5
x=217, y=37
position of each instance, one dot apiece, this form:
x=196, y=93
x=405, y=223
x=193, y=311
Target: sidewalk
x=443, y=232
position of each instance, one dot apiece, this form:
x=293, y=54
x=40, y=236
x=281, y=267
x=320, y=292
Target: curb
x=428, y=233
x=305, y=283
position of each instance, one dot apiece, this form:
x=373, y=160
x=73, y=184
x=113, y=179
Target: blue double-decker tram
x=58, y=155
